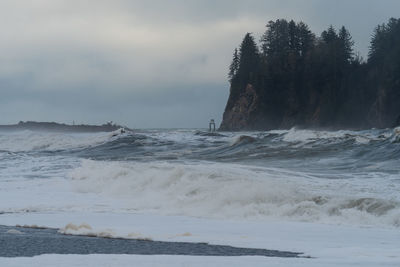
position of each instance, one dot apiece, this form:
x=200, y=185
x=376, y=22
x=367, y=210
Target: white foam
x=395, y=138
x=225, y=204
x=360, y=137
x=14, y=232
x=32, y=141
x=86, y=230
x=329, y=245
x=234, y=191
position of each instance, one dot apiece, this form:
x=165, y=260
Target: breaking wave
x=234, y=191
x=27, y=141
x=307, y=175
x=199, y=143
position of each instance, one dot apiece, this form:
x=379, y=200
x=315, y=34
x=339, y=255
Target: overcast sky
x=144, y=64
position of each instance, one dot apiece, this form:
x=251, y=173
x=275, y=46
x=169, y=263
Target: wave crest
x=223, y=190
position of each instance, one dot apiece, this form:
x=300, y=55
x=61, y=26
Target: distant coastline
x=60, y=127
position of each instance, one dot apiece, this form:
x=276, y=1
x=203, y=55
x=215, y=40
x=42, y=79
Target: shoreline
x=30, y=242
x=61, y=127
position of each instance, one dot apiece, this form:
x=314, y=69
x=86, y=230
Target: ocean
x=328, y=194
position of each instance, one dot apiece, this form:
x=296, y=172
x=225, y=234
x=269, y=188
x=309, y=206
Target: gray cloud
x=143, y=63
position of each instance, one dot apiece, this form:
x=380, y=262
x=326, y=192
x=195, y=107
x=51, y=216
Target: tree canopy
x=303, y=79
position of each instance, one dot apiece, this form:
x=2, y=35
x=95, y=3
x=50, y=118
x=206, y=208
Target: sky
x=144, y=64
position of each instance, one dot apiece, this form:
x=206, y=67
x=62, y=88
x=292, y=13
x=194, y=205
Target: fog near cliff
x=143, y=63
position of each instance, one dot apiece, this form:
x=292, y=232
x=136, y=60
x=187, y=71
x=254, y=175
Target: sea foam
x=25, y=141
x=234, y=191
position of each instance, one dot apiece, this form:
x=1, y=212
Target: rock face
x=376, y=114
x=241, y=114
x=247, y=111
x=385, y=112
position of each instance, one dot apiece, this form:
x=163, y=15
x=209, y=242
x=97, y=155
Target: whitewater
x=332, y=195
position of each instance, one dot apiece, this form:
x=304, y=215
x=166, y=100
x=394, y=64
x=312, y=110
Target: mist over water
x=345, y=177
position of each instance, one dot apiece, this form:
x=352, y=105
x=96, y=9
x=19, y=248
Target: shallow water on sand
x=29, y=242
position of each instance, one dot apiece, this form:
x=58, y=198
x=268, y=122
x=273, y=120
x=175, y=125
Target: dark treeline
x=295, y=78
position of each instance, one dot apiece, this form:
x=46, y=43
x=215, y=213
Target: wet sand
x=29, y=242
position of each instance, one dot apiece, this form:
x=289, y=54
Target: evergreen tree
x=306, y=39
x=329, y=36
x=384, y=74
x=234, y=67
x=284, y=47
x=293, y=37
x=275, y=40
x=346, y=44
x=249, y=59
x=244, y=68
x=384, y=43
x=282, y=37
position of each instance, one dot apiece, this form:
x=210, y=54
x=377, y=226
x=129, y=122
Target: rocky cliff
x=249, y=112
x=241, y=114
x=297, y=79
